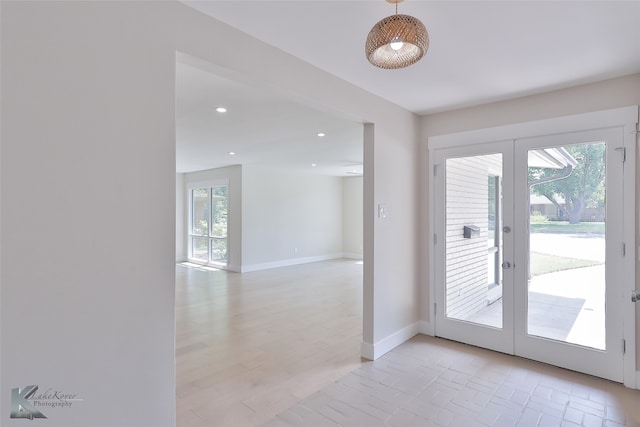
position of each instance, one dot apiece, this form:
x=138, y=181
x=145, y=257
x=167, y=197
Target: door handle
x=506, y=265
x=635, y=296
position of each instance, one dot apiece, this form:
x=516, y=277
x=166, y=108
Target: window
x=208, y=240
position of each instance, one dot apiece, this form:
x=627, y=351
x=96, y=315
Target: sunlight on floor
x=199, y=266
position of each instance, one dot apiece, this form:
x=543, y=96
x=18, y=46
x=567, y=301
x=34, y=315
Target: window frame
x=208, y=235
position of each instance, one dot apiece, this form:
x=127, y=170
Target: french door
x=528, y=248
x=208, y=216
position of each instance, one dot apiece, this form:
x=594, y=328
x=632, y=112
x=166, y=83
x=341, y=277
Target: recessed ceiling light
x=232, y=153
x=321, y=133
x=221, y=110
x=314, y=165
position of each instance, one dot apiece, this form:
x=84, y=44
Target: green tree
x=583, y=188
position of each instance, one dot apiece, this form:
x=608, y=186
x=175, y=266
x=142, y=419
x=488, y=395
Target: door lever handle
x=635, y=296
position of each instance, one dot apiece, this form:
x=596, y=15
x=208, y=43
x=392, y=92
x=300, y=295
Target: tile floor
x=433, y=382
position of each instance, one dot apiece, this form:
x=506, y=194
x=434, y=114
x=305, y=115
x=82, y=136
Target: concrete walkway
x=566, y=306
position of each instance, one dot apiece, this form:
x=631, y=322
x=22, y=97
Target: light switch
x=383, y=211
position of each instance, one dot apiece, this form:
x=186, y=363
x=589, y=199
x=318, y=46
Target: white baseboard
x=289, y=262
x=426, y=328
x=374, y=351
x=352, y=255
x=367, y=351
x=233, y=267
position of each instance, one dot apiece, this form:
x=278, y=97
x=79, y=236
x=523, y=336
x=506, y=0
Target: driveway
x=579, y=245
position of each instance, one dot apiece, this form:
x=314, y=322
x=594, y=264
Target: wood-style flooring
x=250, y=345
x=281, y=347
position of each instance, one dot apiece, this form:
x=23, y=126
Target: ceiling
x=480, y=52
x=260, y=127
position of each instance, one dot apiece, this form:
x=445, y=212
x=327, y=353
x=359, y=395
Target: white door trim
x=629, y=265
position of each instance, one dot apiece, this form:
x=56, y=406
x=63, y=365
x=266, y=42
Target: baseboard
x=234, y=268
x=374, y=351
x=426, y=328
x=289, y=262
x=352, y=255
x=637, y=380
x=367, y=351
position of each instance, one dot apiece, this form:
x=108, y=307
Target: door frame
x=544, y=349
x=625, y=118
x=476, y=334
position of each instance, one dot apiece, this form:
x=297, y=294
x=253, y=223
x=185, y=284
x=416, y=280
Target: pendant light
x=397, y=41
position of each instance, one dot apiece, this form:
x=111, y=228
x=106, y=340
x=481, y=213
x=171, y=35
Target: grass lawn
x=565, y=227
x=544, y=263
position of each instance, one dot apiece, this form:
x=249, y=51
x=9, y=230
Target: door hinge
x=624, y=249
x=435, y=170
x=435, y=308
x=435, y=238
x=624, y=346
x=624, y=153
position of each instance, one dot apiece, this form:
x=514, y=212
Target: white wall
x=391, y=300
x=621, y=92
x=181, y=212
x=352, y=221
x=608, y=94
x=391, y=251
x=391, y=165
x=289, y=217
x=232, y=175
x=88, y=208
x=320, y=216
x=88, y=112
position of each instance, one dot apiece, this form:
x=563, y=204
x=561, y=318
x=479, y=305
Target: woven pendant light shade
x=397, y=28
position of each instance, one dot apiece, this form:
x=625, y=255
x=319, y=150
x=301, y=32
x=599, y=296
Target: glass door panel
x=208, y=229
x=200, y=211
x=199, y=249
x=473, y=201
x=567, y=233
x=569, y=240
x=473, y=217
x=219, y=216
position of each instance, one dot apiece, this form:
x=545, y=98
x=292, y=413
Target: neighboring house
x=541, y=206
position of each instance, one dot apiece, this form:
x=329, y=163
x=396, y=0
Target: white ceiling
x=480, y=51
x=261, y=127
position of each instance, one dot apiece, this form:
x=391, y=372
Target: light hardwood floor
x=280, y=348
x=248, y=346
